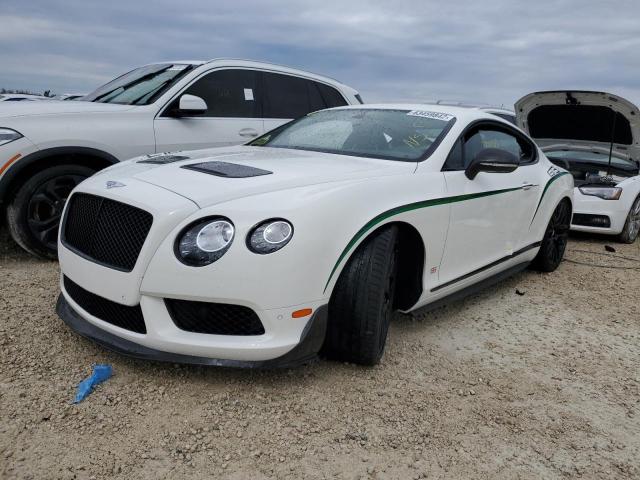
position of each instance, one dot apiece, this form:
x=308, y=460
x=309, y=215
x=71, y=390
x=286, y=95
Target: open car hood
x=589, y=120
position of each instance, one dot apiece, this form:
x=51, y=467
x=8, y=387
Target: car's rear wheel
x=555, y=239
x=632, y=224
x=361, y=305
x=33, y=216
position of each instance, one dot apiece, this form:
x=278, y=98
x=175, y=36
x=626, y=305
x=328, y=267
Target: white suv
x=47, y=148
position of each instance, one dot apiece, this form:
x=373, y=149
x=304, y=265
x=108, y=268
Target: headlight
x=269, y=236
x=607, y=193
x=7, y=135
x=205, y=241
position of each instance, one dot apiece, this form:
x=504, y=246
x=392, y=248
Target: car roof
x=458, y=112
x=243, y=62
x=487, y=107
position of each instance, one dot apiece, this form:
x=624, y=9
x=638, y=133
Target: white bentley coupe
x=307, y=239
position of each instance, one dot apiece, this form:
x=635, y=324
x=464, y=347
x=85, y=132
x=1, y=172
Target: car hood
x=212, y=176
x=581, y=119
x=55, y=107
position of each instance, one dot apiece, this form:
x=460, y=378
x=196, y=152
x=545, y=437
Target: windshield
x=140, y=86
x=591, y=157
x=377, y=133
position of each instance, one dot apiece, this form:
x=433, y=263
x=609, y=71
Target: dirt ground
x=498, y=386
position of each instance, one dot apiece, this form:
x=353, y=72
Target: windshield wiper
x=155, y=91
x=132, y=83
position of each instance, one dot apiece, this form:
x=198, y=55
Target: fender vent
x=225, y=169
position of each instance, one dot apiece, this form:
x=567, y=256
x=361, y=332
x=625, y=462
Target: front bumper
x=615, y=210
x=305, y=351
x=273, y=287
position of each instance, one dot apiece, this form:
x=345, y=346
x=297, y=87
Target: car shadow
x=10, y=251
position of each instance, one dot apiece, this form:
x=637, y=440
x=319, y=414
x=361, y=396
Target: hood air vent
x=225, y=169
x=163, y=159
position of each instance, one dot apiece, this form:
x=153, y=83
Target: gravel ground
x=499, y=386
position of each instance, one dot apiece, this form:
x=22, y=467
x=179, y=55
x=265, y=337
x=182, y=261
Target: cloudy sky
x=491, y=51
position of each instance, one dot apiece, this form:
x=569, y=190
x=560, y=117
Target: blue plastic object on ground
x=99, y=375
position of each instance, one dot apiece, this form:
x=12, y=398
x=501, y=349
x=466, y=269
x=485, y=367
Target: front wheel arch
x=30, y=165
x=627, y=235
x=555, y=238
x=412, y=259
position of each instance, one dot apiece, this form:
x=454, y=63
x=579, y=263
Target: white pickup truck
x=47, y=148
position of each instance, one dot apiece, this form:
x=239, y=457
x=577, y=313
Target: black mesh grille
x=588, y=220
x=106, y=231
x=214, y=318
x=114, y=313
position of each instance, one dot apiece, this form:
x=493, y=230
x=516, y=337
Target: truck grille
x=214, y=318
x=123, y=316
x=105, y=231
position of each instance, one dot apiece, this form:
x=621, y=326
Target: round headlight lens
x=270, y=236
x=205, y=241
x=215, y=236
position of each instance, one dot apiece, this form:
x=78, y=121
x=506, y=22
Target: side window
x=480, y=138
x=485, y=138
x=286, y=96
x=454, y=160
x=228, y=93
x=316, y=102
x=332, y=98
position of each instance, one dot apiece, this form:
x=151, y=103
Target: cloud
x=492, y=51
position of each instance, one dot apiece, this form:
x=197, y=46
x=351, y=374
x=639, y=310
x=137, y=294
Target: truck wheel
x=33, y=216
x=555, y=239
x=632, y=225
x=361, y=305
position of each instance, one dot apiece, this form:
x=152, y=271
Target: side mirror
x=190, y=105
x=491, y=160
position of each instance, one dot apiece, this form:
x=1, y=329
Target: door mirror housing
x=492, y=160
x=190, y=105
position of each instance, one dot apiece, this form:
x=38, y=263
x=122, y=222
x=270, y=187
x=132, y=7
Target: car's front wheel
x=361, y=305
x=33, y=216
x=555, y=239
x=632, y=224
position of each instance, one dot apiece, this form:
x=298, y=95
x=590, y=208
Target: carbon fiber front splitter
x=306, y=351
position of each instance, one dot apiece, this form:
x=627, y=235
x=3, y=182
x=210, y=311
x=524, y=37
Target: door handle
x=248, y=133
x=527, y=185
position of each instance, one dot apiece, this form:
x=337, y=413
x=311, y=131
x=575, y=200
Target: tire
x=555, y=239
x=361, y=305
x=33, y=215
x=632, y=224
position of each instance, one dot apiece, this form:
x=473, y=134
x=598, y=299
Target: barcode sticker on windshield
x=435, y=115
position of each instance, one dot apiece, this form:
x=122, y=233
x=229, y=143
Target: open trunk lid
x=586, y=120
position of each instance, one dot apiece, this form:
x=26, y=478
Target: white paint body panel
x=328, y=199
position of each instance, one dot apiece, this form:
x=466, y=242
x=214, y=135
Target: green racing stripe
x=407, y=208
x=546, y=187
